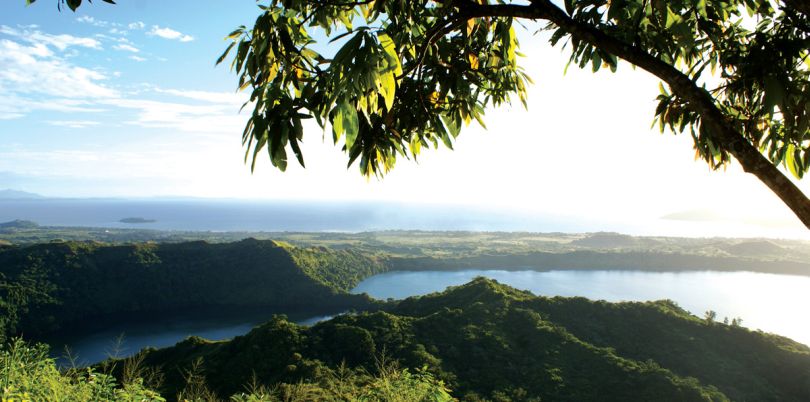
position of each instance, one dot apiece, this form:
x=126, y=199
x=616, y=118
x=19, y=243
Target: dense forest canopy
x=51, y=287
x=490, y=342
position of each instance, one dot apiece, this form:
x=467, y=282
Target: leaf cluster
x=389, y=77
x=72, y=4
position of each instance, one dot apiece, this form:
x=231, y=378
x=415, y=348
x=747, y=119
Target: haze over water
x=350, y=216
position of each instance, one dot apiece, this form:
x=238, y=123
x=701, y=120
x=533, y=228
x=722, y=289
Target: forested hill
x=48, y=287
x=492, y=342
x=654, y=261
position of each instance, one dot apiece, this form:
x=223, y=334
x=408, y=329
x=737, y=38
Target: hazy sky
x=125, y=101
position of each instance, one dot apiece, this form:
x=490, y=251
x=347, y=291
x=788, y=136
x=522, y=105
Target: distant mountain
x=613, y=240
x=9, y=194
x=755, y=248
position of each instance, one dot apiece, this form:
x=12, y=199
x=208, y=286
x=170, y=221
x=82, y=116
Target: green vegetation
x=483, y=340
x=28, y=374
x=48, y=287
x=491, y=342
x=758, y=255
x=342, y=269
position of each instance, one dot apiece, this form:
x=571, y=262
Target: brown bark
x=723, y=133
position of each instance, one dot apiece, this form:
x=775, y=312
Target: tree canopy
x=391, y=77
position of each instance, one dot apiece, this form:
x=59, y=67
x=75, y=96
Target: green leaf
x=225, y=53
x=297, y=150
x=74, y=4
x=672, y=18
x=390, y=49
x=774, y=93
x=388, y=88
x=351, y=125
x=569, y=6
x=793, y=163
x=701, y=7
x=451, y=125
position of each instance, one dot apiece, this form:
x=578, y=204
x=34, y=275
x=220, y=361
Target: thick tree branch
x=802, y=6
x=719, y=127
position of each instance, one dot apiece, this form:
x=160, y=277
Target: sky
x=125, y=101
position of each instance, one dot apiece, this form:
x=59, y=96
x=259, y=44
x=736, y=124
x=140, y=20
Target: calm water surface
x=127, y=339
x=773, y=303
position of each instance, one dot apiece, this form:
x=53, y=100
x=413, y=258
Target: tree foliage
x=72, y=4
x=410, y=74
x=391, y=77
x=396, y=83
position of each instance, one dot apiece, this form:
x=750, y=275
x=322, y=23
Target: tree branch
x=698, y=99
x=802, y=6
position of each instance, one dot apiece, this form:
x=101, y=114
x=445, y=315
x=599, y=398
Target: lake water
x=773, y=303
x=127, y=339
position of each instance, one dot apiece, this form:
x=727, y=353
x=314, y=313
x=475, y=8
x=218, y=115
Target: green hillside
x=48, y=287
x=492, y=342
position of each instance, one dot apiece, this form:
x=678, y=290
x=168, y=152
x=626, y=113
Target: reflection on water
x=773, y=303
x=127, y=339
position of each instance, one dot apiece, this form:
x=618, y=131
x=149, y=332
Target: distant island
x=19, y=224
x=9, y=194
x=137, y=220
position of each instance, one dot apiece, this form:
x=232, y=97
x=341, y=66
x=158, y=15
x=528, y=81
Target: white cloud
x=232, y=98
x=37, y=77
x=60, y=42
x=13, y=106
x=168, y=33
x=126, y=47
x=73, y=123
x=85, y=19
x=136, y=25
x=33, y=77
x=31, y=69
x=9, y=115
x=209, y=118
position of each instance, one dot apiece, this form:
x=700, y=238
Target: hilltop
x=49, y=287
x=488, y=341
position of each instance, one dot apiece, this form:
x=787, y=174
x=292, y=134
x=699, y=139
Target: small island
x=137, y=220
x=19, y=224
